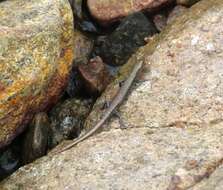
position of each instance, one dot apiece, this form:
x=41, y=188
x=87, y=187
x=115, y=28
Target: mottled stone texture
x=173, y=115
x=139, y=159
x=106, y=11
x=36, y=52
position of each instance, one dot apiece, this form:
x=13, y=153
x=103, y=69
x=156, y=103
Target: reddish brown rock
x=106, y=11
x=95, y=76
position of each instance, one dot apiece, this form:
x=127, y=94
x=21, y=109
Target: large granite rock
x=174, y=114
x=139, y=159
x=36, y=52
x=107, y=11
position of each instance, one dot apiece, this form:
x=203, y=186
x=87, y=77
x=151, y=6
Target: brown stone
x=95, y=76
x=106, y=11
x=36, y=52
x=82, y=47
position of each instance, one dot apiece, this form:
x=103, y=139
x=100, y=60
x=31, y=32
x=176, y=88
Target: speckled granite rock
x=139, y=159
x=36, y=52
x=106, y=11
x=174, y=114
x=183, y=82
x=214, y=182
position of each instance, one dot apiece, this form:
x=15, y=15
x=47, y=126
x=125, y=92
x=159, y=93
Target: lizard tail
x=78, y=140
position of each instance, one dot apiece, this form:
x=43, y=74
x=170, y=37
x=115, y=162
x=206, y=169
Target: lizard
x=113, y=105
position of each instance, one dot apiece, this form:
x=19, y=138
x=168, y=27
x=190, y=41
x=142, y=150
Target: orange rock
x=36, y=53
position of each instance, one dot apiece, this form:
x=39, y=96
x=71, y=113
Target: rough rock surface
x=174, y=114
x=116, y=48
x=187, y=2
x=106, y=11
x=35, y=140
x=177, y=11
x=36, y=52
x=129, y=159
x=95, y=76
x=67, y=119
x=82, y=48
x=160, y=21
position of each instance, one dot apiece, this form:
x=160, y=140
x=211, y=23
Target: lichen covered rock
x=36, y=53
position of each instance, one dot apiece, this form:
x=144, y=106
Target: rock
x=107, y=11
x=125, y=40
x=213, y=182
x=82, y=20
x=75, y=84
x=82, y=48
x=160, y=21
x=67, y=120
x=111, y=160
x=183, y=84
x=76, y=6
x=10, y=159
x=36, y=55
x=95, y=76
x=187, y=2
x=35, y=141
x=88, y=79
x=174, y=137
x=177, y=11
x=88, y=26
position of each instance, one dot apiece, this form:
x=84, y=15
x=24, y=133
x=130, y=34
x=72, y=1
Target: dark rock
x=160, y=21
x=8, y=163
x=10, y=159
x=82, y=19
x=76, y=6
x=36, y=138
x=82, y=48
x=125, y=40
x=187, y=2
x=95, y=76
x=88, y=26
x=75, y=84
x=67, y=120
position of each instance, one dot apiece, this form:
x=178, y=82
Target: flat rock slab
x=106, y=11
x=184, y=83
x=36, y=52
x=130, y=159
x=174, y=138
